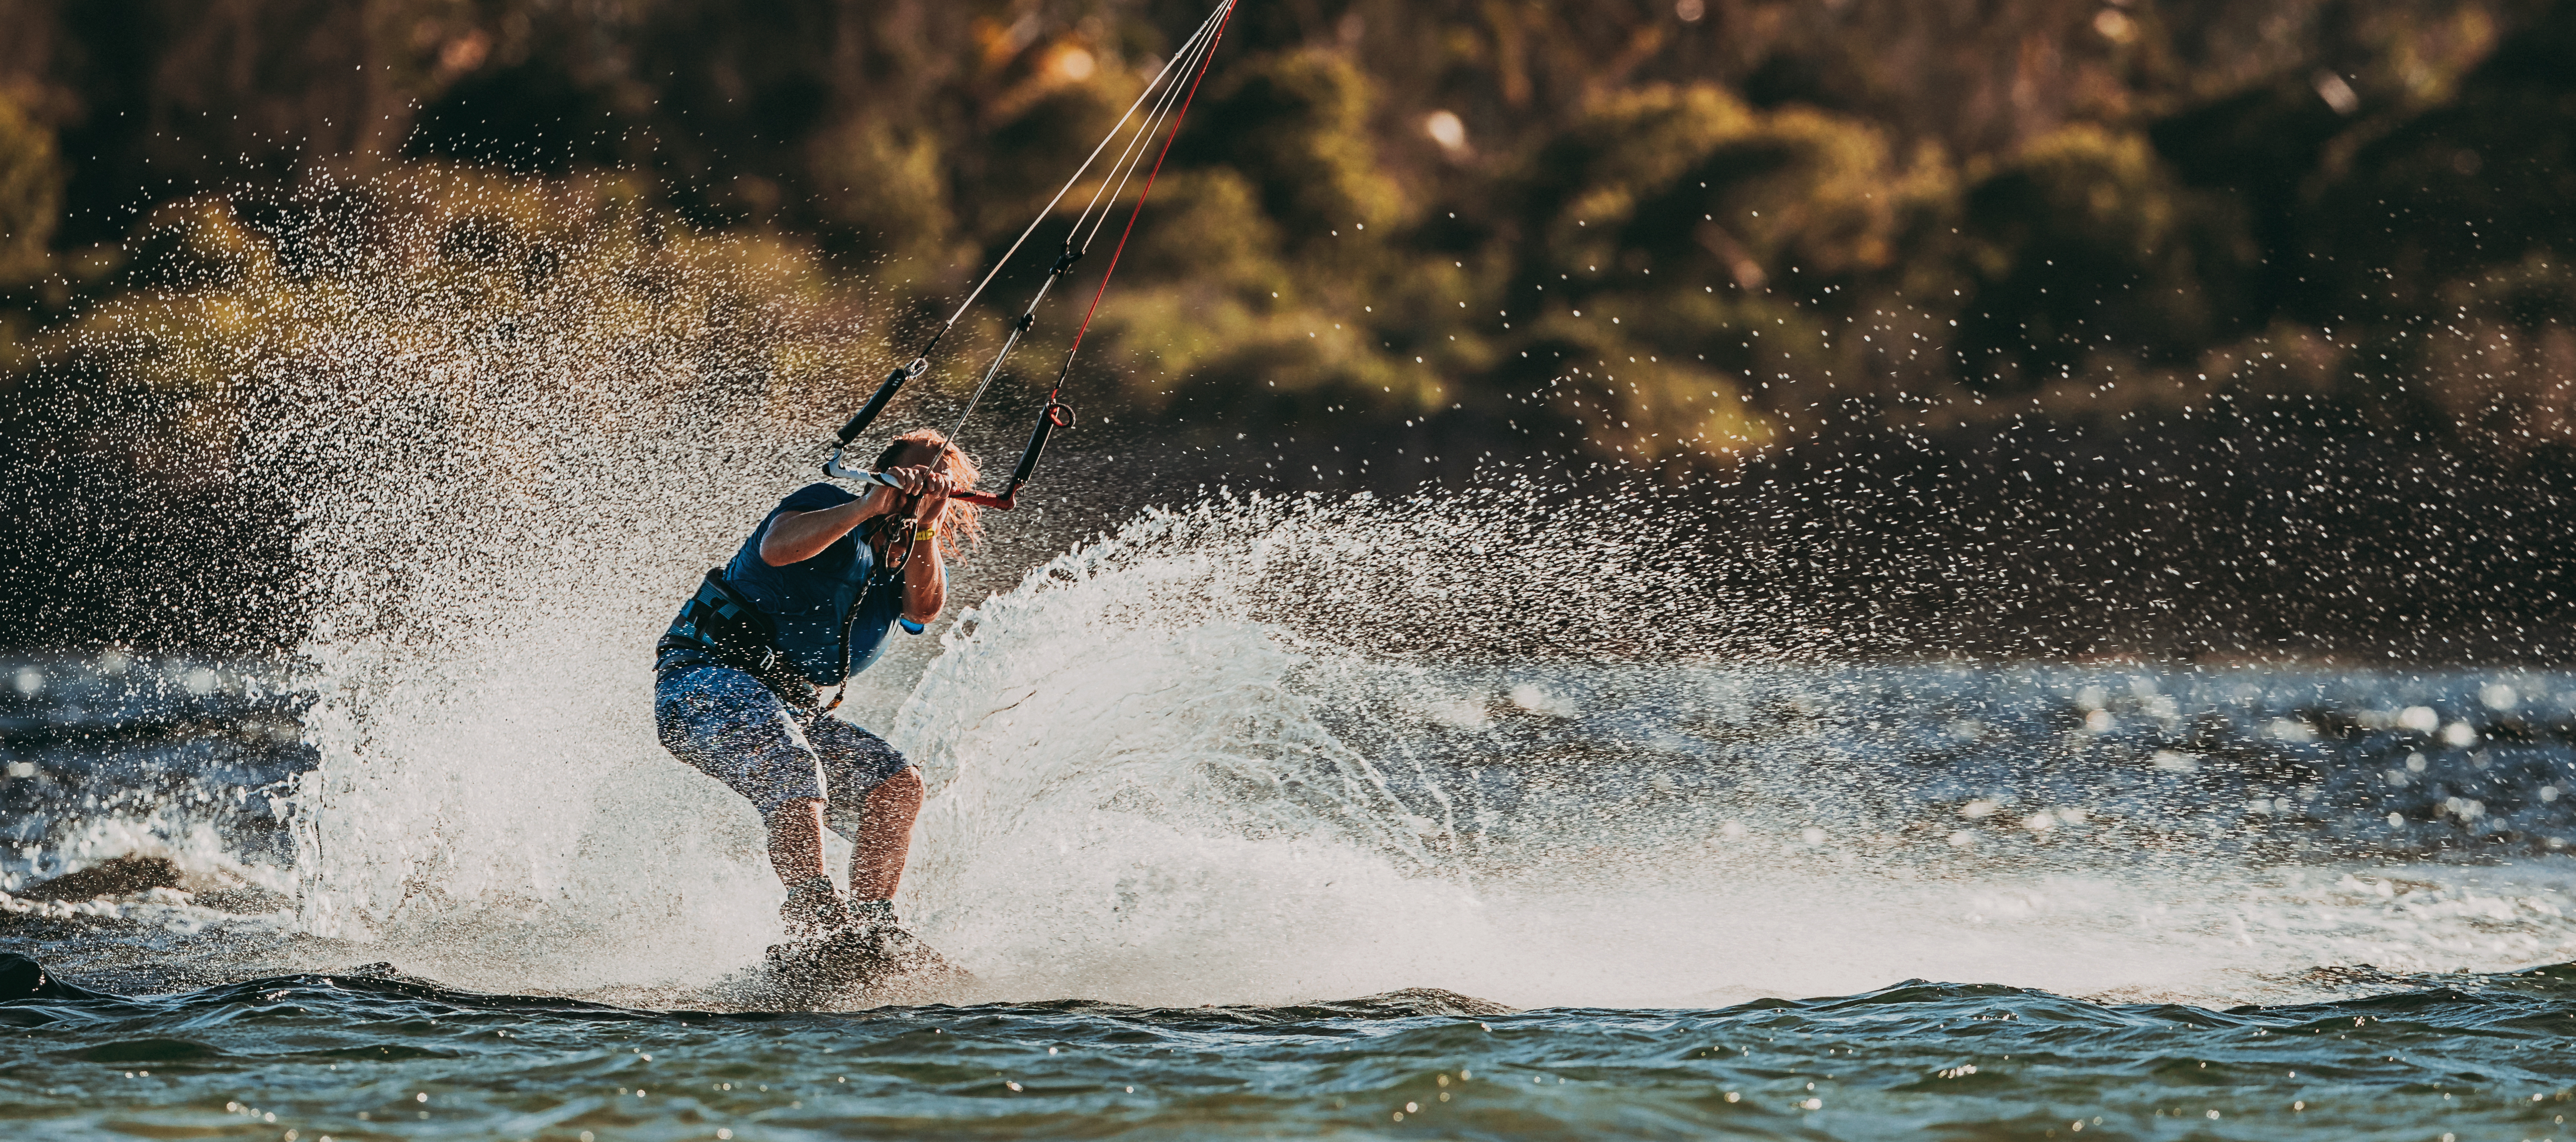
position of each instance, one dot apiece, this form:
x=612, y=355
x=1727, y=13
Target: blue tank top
x=810, y=600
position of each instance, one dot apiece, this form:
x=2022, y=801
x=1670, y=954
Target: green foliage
x=2482, y=180
x=1297, y=126
x=1660, y=241
x=2082, y=241
x=31, y=191
x=459, y=272
x=894, y=189
x=1700, y=249
x=31, y=196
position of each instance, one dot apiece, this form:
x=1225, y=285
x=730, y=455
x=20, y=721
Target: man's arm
x=925, y=576
x=925, y=580
x=795, y=537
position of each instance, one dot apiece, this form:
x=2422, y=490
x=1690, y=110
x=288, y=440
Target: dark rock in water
x=123, y=876
x=22, y=978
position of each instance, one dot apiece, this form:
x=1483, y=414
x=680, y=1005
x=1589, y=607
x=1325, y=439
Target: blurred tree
x=2083, y=242
x=31, y=194
x=31, y=197
x=1667, y=233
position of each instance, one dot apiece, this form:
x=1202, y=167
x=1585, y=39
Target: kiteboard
x=855, y=967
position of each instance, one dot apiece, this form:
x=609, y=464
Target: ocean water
x=349, y=1057
x=1221, y=867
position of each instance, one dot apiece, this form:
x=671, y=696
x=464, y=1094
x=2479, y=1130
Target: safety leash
x=904, y=521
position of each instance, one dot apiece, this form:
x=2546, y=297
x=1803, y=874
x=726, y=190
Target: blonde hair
x=964, y=522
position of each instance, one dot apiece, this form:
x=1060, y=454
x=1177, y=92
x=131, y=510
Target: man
x=809, y=600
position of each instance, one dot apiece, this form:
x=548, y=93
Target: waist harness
x=728, y=626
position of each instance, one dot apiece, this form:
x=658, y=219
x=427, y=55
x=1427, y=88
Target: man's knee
x=894, y=801
x=899, y=793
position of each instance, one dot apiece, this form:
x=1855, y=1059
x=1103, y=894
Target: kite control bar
x=839, y=471
x=1055, y=415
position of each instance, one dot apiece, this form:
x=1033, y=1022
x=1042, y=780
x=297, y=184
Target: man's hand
x=928, y=483
x=925, y=581
x=795, y=537
x=933, y=487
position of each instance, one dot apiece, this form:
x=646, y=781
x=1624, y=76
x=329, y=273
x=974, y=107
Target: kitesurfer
x=811, y=598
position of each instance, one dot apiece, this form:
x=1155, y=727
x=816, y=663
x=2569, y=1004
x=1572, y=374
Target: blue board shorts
x=728, y=725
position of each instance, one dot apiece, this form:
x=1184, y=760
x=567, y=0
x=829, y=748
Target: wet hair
x=964, y=523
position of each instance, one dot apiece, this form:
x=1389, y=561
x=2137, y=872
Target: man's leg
x=728, y=725
x=814, y=906
x=796, y=841
x=884, y=837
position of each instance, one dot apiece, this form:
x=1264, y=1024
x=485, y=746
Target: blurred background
x=2044, y=328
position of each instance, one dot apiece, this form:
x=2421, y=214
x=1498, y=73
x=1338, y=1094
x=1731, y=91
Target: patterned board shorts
x=727, y=724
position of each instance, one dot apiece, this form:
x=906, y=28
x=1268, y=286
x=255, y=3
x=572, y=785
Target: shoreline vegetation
x=2188, y=331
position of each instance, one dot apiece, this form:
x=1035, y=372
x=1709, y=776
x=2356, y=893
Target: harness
x=730, y=628
x=723, y=623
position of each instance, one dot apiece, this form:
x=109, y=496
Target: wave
x=2531, y=1000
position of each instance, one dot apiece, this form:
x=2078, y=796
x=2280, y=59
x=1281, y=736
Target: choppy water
x=339, y=1056
x=1190, y=843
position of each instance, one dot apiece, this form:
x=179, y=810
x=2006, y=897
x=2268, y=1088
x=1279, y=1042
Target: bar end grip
x=884, y=395
x=1055, y=415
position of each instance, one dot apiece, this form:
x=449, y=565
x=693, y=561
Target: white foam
x=1144, y=791
x=1138, y=798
